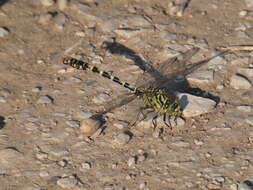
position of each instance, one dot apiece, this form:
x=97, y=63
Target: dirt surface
x=42, y=101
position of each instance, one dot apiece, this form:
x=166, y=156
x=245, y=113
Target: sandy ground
x=43, y=101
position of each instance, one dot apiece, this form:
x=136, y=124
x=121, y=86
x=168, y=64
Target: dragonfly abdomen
x=81, y=65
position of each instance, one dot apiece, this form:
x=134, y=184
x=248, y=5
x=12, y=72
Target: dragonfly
x=155, y=98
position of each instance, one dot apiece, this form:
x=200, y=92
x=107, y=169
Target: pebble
x=36, y=89
x=67, y=182
x=45, y=99
x=80, y=34
x=213, y=186
x=101, y=98
x=180, y=143
x=3, y=32
x=59, y=152
x=249, y=3
x=122, y=138
x=195, y=105
x=62, y=4
x=245, y=108
x=3, y=99
x=248, y=71
x=47, y=2
x=120, y=124
x=131, y=161
x=90, y=126
x=44, y=173
x=84, y=114
x=246, y=185
x=10, y=158
x=45, y=18
x=239, y=82
x=72, y=80
x=86, y=165
x=201, y=77
x=60, y=20
x=249, y=120
x=62, y=163
x=243, y=13
x=73, y=123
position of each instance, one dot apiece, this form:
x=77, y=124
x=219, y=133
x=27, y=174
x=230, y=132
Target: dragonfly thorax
x=159, y=100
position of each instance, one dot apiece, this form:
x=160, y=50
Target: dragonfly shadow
x=166, y=75
x=2, y=122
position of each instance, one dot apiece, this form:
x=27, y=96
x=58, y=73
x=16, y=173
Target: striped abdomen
x=78, y=64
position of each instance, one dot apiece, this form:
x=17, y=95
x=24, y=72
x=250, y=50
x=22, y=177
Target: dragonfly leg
x=165, y=118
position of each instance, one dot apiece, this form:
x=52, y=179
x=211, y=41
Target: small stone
x=246, y=185
x=10, y=158
x=45, y=100
x=180, y=143
x=59, y=152
x=131, y=161
x=72, y=80
x=245, y=108
x=62, y=4
x=142, y=157
x=67, y=182
x=45, y=18
x=86, y=165
x=143, y=185
x=239, y=82
x=3, y=32
x=62, y=163
x=249, y=3
x=101, y=98
x=84, y=114
x=80, y=34
x=243, y=13
x=248, y=71
x=60, y=20
x=120, y=124
x=122, y=138
x=198, y=142
x=249, y=119
x=73, y=123
x=90, y=126
x=36, y=89
x=44, y=174
x=47, y=2
x=3, y=99
x=201, y=77
x=212, y=186
x=194, y=105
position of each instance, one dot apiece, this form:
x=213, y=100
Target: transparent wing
x=176, y=65
x=114, y=104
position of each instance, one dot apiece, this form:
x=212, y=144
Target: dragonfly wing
x=177, y=64
x=118, y=103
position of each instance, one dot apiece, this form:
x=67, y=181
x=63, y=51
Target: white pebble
x=239, y=82
x=62, y=4
x=47, y=2
x=86, y=165
x=90, y=126
x=45, y=100
x=122, y=138
x=3, y=32
x=2, y=99
x=68, y=182
x=131, y=161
